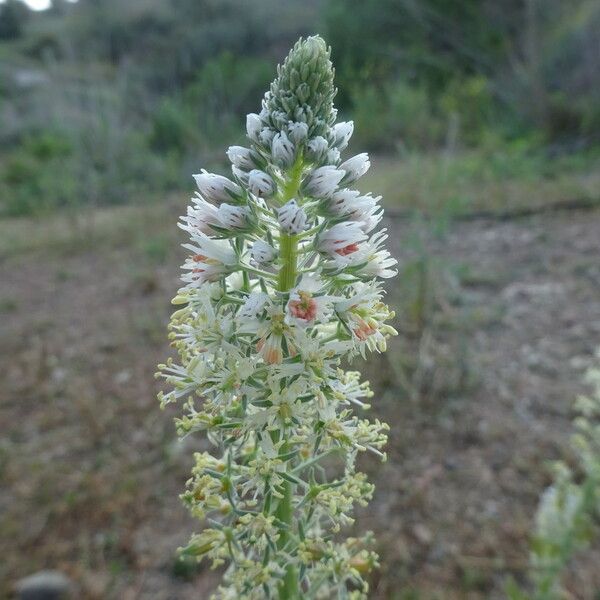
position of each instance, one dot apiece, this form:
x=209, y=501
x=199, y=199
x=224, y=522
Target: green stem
x=288, y=252
x=288, y=244
x=285, y=512
x=288, y=249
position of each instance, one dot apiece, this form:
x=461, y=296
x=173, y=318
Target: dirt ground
x=478, y=390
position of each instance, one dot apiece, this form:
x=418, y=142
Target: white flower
x=355, y=167
x=254, y=305
x=271, y=334
x=241, y=157
x=364, y=315
x=304, y=307
x=261, y=184
x=210, y=260
x=344, y=202
x=349, y=388
x=283, y=150
x=253, y=126
x=217, y=188
x=292, y=218
x=367, y=260
x=233, y=217
x=262, y=253
x=200, y=216
x=322, y=182
x=297, y=132
x=355, y=207
x=341, y=239
x=269, y=348
x=370, y=218
x=268, y=447
x=379, y=260
x=343, y=132
x=317, y=147
x=235, y=281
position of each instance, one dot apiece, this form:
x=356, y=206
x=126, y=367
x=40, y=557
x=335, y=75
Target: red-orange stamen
x=349, y=249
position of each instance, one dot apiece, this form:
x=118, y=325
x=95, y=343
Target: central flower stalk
x=288, y=251
x=288, y=243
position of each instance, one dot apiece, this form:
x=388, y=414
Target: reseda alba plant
x=568, y=515
x=281, y=283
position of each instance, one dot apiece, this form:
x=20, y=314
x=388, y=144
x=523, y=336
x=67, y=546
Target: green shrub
x=50, y=170
x=225, y=89
x=470, y=100
x=48, y=145
x=210, y=109
x=170, y=129
x=29, y=178
x=397, y=115
x=13, y=15
x=33, y=181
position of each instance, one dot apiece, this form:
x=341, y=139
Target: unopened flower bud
x=253, y=126
x=283, y=150
x=239, y=174
x=233, y=217
x=279, y=119
x=333, y=156
x=297, y=132
x=216, y=187
x=241, y=157
x=316, y=148
x=266, y=136
x=292, y=218
x=352, y=205
x=322, y=182
x=262, y=253
x=261, y=184
x=343, y=132
x=355, y=167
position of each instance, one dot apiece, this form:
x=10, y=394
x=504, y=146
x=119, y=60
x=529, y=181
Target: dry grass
x=459, y=183
x=82, y=229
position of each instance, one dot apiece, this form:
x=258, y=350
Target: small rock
x=123, y=377
x=45, y=585
x=422, y=534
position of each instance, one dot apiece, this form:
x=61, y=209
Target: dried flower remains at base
x=283, y=281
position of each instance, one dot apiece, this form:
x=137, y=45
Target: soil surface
x=498, y=322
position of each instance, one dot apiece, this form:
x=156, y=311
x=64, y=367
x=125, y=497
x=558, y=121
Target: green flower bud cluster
x=304, y=91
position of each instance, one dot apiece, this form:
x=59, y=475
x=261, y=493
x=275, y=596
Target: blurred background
x=483, y=122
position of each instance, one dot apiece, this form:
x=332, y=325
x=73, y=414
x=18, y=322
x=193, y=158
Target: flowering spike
x=281, y=285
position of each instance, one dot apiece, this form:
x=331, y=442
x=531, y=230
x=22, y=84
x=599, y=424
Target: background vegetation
x=128, y=98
